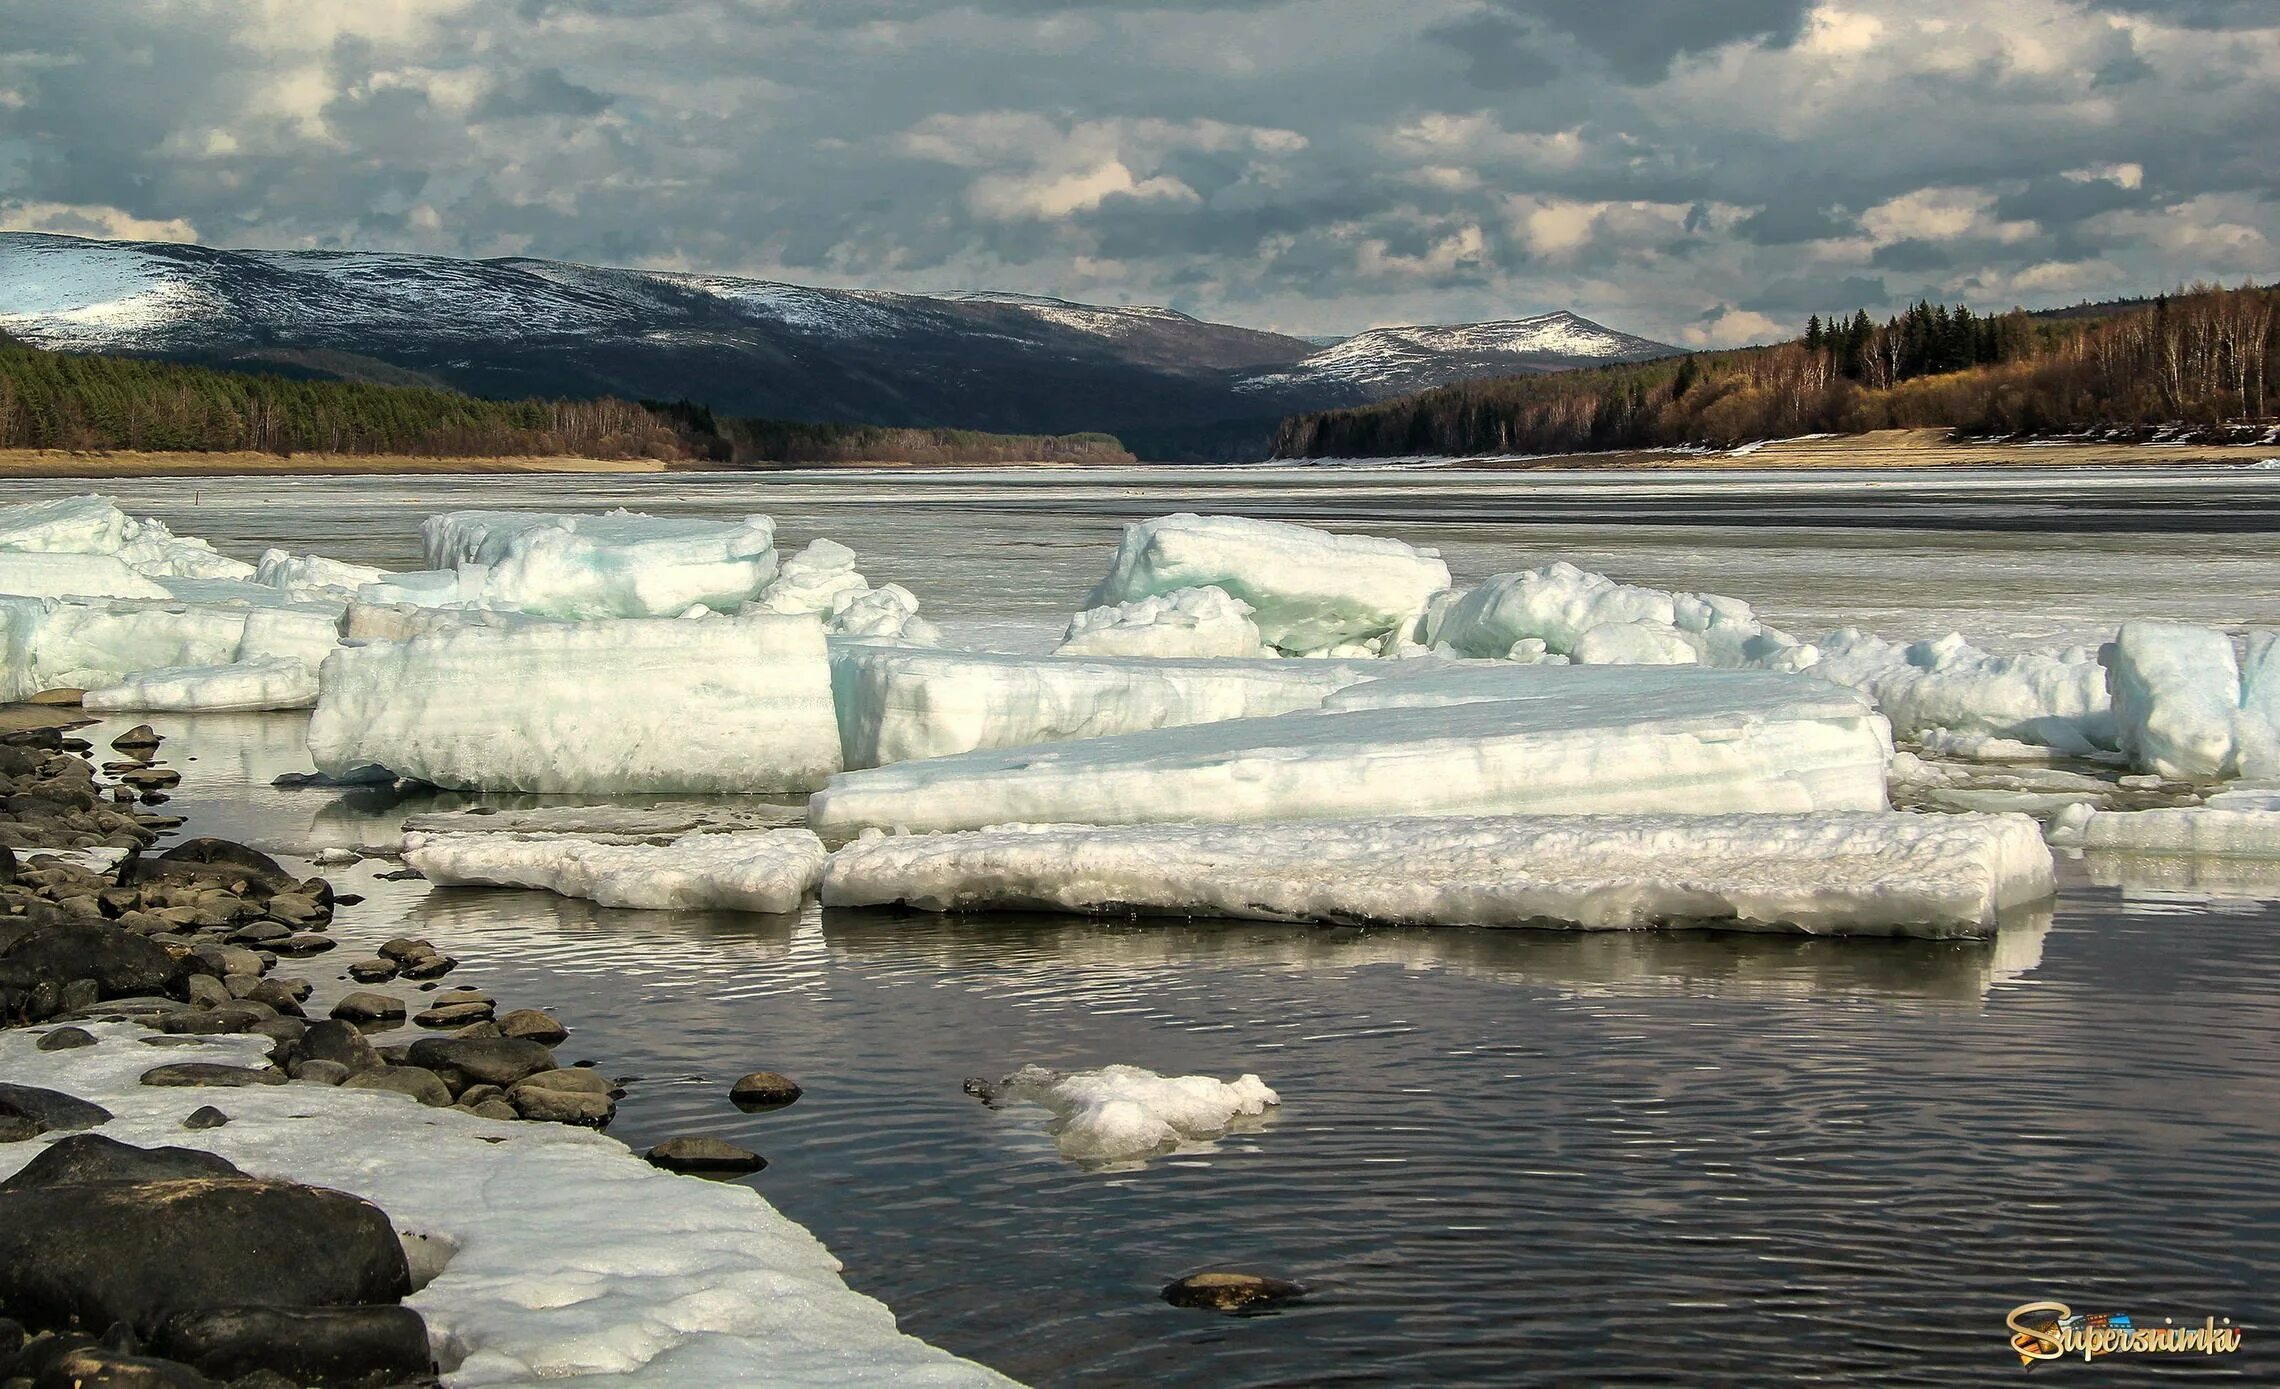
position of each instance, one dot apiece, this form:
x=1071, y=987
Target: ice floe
x=315, y=576
x=38, y=574
x=736, y=706
x=571, y=1262
x=770, y=871
x=1309, y=590
x=1879, y=873
x=620, y=564
x=86, y=643
x=273, y=682
x=92, y=525
x=1500, y=741
x=1118, y=1114
x=2240, y=829
x=1194, y=622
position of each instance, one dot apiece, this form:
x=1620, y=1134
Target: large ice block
x=91, y=525
x=2177, y=697
x=85, y=643
x=2217, y=831
x=1309, y=590
x=1879, y=873
x=621, y=564
x=2054, y=698
x=771, y=871
x=43, y=574
x=728, y=706
x=1201, y=622
x=897, y=703
x=315, y=576
x=274, y=682
x=1515, y=739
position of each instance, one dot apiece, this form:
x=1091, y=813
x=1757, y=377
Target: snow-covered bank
x=575, y=1263
x=1826, y=874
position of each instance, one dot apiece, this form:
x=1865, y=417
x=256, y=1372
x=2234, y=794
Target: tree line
x=56, y=400
x=2198, y=358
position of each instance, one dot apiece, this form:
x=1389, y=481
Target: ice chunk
x=608, y=824
x=1879, y=873
x=1185, y=622
x=53, y=643
x=274, y=682
x=772, y=871
x=1121, y=1113
x=1309, y=590
x=1531, y=738
x=315, y=576
x=2055, y=698
x=2256, y=731
x=812, y=580
x=1556, y=605
x=1635, y=644
x=2177, y=695
x=694, y=1285
x=736, y=706
x=621, y=564
x=886, y=613
x=37, y=574
x=91, y=525
x=897, y=703
x=426, y=588
x=305, y=634
x=364, y=621
x=2195, y=830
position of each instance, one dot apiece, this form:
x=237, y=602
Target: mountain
x=1169, y=384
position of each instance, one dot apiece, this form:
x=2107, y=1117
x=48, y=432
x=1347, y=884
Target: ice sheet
x=736, y=706
x=1310, y=590
x=1198, y=622
x=810, y=581
x=575, y=1263
x=897, y=703
x=275, y=682
x=1501, y=741
x=1833, y=873
x=771, y=871
x=2222, y=832
x=619, y=564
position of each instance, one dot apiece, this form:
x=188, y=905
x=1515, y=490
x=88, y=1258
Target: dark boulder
x=90, y=1157
x=50, y=1110
x=65, y=1039
x=1221, y=1290
x=706, y=1157
x=499, y=1061
x=210, y=1073
x=763, y=1090
x=138, y=1252
x=333, y=1040
x=121, y=963
x=230, y=859
x=322, y=1346
x=96, y=1368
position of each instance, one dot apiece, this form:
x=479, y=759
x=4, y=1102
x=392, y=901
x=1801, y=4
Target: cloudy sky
x=1705, y=171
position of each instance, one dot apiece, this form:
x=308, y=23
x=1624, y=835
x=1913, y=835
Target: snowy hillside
x=1394, y=360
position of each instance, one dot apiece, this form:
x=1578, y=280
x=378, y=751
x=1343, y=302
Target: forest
x=2195, y=360
x=55, y=400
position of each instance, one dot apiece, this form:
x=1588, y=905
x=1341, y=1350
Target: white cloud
x=68, y=219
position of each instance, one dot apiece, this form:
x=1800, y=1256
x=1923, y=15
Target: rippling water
x=1503, y=1158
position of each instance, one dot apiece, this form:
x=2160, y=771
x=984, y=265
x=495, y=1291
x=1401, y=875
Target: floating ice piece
x=40, y=574
x=1880, y=873
x=739, y=706
x=2177, y=697
x=315, y=576
x=886, y=613
x=622, y=564
x=1123, y=1113
x=1309, y=590
x=696, y=1285
x=272, y=682
x=1510, y=740
x=898, y=703
x=2193, y=830
x=771, y=871
x=1186, y=622
x=1635, y=644
x=811, y=581
x=92, y=525
x=2055, y=698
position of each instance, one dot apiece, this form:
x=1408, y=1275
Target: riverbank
x=1890, y=449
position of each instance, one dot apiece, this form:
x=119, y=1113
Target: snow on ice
x=1196, y=622
x=621, y=564
x=733, y=706
x=772, y=871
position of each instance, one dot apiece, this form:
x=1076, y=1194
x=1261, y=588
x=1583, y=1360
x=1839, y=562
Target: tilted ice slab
x=1199, y=622
x=1309, y=590
x=621, y=564
x=1122, y=1113
x=576, y=1263
x=315, y=576
x=89, y=643
x=899, y=703
x=737, y=706
x=2216, y=831
x=92, y=525
x=1504, y=741
x=772, y=871
x=275, y=682
x=38, y=574
x=1835, y=873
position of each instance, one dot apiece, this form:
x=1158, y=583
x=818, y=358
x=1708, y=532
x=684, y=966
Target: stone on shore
x=364, y=1006
x=48, y=1111
x=80, y=1158
x=415, y=1081
x=705, y=1156
x=308, y=1345
x=210, y=1073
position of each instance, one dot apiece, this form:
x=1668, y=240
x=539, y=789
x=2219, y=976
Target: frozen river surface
x=1502, y=1157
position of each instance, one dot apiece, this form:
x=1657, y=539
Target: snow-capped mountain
x=749, y=347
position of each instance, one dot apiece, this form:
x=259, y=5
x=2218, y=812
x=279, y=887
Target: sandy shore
x=73, y=463
x=1900, y=448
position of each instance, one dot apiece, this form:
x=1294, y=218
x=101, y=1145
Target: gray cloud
x=1696, y=171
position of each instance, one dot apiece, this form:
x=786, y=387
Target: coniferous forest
x=2195, y=360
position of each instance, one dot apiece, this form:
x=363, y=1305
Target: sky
x=1706, y=172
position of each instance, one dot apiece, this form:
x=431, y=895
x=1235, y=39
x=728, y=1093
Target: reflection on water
x=1502, y=1158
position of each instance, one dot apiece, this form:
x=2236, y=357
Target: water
x=1503, y=1158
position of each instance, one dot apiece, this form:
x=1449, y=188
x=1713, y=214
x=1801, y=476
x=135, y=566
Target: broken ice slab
x=769, y=871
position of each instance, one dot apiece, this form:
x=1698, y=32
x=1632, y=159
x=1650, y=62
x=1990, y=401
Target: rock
x=235, y=859
x=261, y=933
x=531, y=1025
x=373, y=971
x=137, y=1252
x=210, y=1073
x=120, y=962
x=15, y=1128
x=1226, y=1291
x=300, y=947
x=65, y=1039
x=49, y=1110
x=483, y=1061
x=207, y=1022
x=294, y=909
x=369, y=1007
x=321, y=1346
x=277, y=995
x=491, y=1109
x=96, y=1368
x=338, y=1041
x=429, y=966
x=205, y=991
x=205, y=1116
x=286, y=1030
x=227, y=960
x=66, y=696
x=141, y=736
x=149, y=779
x=401, y=948
x=80, y=1158
x=321, y=1072
x=542, y=1098
x=705, y=1155
x=578, y=1079
x=763, y=1090
x=480, y=1029
x=423, y=1085
x=454, y=1015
